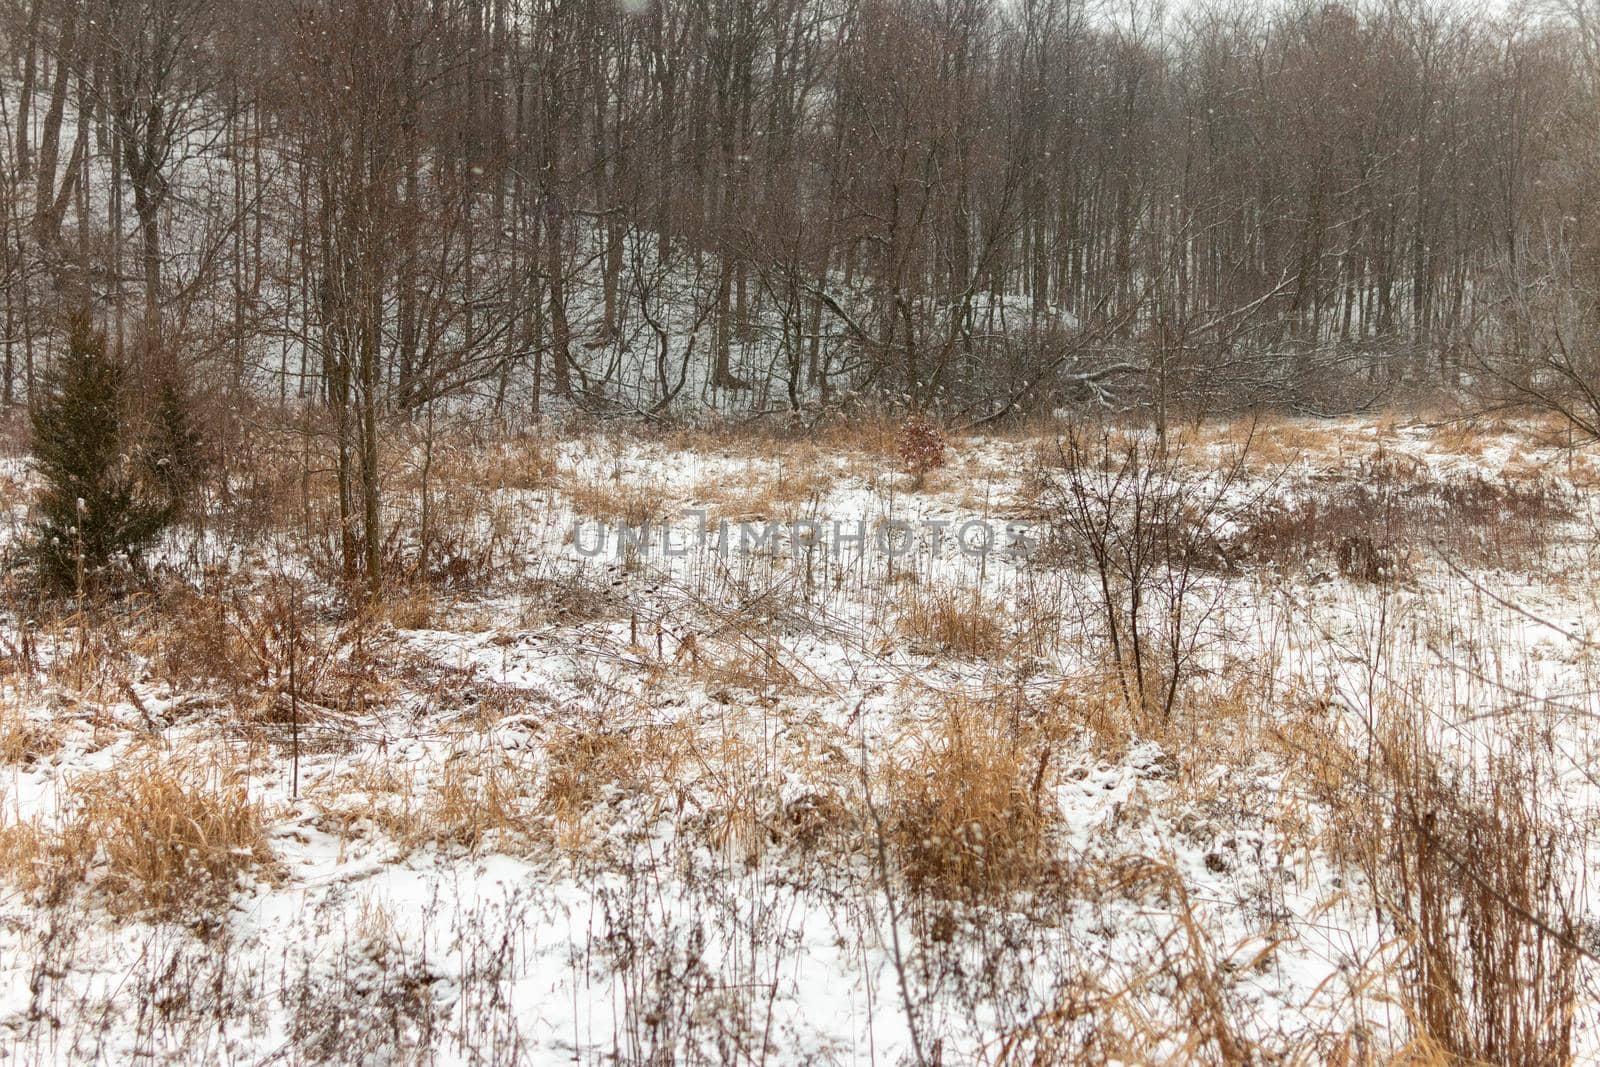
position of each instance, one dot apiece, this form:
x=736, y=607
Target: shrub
x=172, y=454
x=921, y=447
x=1378, y=521
x=1146, y=526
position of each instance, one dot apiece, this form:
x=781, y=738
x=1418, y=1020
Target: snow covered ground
x=796, y=805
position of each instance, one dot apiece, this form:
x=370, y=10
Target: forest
x=959, y=206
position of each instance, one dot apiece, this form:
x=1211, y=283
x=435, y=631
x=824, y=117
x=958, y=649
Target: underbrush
x=590, y=771
x=481, y=802
x=953, y=623
x=967, y=813
x=1482, y=884
x=1476, y=876
x=1378, y=521
x=1116, y=805
x=24, y=740
x=271, y=651
x=1126, y=507
x=152, y=838
x=615, y=501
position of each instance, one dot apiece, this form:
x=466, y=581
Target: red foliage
x=921, y=445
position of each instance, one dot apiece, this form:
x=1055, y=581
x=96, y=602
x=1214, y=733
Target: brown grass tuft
x=152, y=837
x=409, y=607
x=22, y=741
x=587, y=769
x=954, y=624
x=616, y=502
x=479, y=801
x=760, y=494
x=968, y=814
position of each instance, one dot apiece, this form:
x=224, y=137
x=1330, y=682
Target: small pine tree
x=88, y=514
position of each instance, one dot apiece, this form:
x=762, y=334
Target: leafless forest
x=966, y=206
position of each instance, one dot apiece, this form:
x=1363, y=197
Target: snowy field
x=1310, y=764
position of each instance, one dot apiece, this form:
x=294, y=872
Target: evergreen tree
x=88, y=514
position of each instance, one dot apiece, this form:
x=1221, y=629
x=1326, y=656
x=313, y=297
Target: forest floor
x=1309, y=776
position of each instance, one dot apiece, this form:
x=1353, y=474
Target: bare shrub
x=921, y=447
x=1378, y=522
x=1146, y=526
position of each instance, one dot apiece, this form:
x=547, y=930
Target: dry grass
x=484, y=464
x=371, y=794
x=482, y=801
x=862, y=437
x=756, y=785
x=262, y=649
x=1479, y=881
x=1466, y=438
x=957, y=624
x=479, y=799
x=968, y=813
x=409, y=607
x=589, y=771
x=157, y=836
x=13, y=494
x=759, y=494
x=1471, y=872
x=196, y=642
x=1277, y=443
x=1102, y=1015
x=276, y=482
x=615, y=501
x=747, y=666
x=569, y=599
x=1380, y=519
x=1094, y=704
x=22, y=740
x=870, y=436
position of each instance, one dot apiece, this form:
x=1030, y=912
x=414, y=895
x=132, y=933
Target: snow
x=671, y=919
